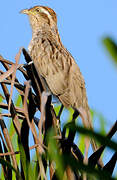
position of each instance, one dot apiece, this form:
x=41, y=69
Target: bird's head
x=41, y=16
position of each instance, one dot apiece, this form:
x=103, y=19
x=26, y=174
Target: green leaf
x=3, y=162
x=81, y=143
x=54, y=154
x=25, y=164
x=57, y=108
x=101, y=118
x=111, y=46
x=18, y=101
x=100, y=138
x=93, y=172
x=1, y=98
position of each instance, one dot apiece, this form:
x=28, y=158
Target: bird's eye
x=37, y=10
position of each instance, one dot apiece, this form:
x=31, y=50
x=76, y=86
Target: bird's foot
x=27, y=64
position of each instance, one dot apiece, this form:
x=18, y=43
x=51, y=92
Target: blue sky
x=82, y=25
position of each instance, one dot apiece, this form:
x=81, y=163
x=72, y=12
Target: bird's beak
x=24, y=11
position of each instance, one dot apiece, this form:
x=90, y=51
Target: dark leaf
x=111, y=46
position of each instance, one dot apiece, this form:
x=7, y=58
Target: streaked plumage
x=53, y=62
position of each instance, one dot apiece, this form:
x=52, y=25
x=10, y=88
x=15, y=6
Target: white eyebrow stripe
x=45, y=11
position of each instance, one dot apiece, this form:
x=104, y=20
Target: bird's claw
x=27, y=64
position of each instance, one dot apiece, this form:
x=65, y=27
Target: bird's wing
x=58, y=68
x=53, y=64
x=77, y=84
x=57, y=77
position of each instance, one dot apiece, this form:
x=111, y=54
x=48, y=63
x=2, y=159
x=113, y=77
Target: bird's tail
x=87, y=122
x=86, y=119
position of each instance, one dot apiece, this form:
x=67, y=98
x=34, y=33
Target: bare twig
x=7, y=73
x=17, y=57
x=7, y=62
x=41, y=123
x=12, y=110
x=26, y=112
x=18, y=152
x=40, y=150
x=18, y=109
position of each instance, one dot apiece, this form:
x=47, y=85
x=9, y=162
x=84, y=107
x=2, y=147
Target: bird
x=55, y=63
